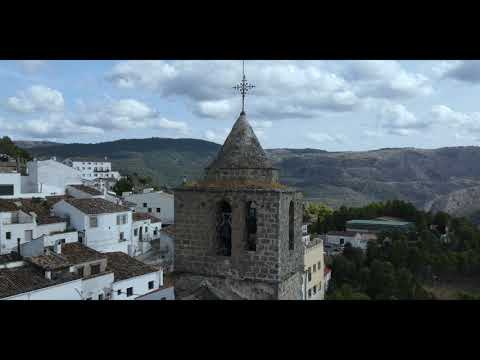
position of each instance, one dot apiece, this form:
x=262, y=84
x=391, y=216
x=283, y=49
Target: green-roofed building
x=377, y=226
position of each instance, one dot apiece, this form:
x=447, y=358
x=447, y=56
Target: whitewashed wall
x=139, y=284
x=65, y=291
x=154, y=200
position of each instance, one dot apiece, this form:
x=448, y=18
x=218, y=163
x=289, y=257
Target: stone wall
x=291, y=288
x=291, y=261
x=195, y=243
x=262, y=175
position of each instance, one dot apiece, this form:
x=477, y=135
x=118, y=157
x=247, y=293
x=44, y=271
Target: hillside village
x=76, y=228
x=64, y=234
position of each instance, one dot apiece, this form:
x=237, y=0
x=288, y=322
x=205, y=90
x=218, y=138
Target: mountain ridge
x=353, y=178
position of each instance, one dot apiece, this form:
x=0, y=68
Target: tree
x=382, y=280
x=123, y=185
x=346, y=292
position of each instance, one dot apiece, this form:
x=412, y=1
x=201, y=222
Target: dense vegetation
x=165, y=161
x=397, y=265
x=135, y=182
x=7, y=146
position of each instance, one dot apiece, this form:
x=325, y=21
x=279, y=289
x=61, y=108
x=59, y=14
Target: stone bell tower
x=239, y=230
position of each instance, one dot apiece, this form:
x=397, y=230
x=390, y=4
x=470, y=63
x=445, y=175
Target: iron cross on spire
x=243, y=87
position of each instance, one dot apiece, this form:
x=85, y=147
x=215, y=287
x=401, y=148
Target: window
x=158, y=210
x=100, y=296
x=314, y=267
x=144, y=204
x=94, y=269
x=8, y=235
x=155, y=231
x=251, y=226
x=89, y=298
x=149, y=210
x=119, y=292
x=6, y=189
x=319, y=265
x=291, y=223
x=309, y=293
x=163, y=298
x=93, y=221
x=150, y=285
x=314, y=289
x=319, y=286
x=80, y=271
x=121, y=219
x=135, y=232
x=342, y=241
x=129, y=291
x=122, y=236
x=224, y=229
x=309, y=274
x=146, y=228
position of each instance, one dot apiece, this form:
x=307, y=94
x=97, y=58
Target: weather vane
x=243, y=87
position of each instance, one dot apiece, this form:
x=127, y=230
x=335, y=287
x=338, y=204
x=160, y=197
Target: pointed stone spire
x=241, y=149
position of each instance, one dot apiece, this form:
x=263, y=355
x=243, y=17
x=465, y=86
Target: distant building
x=341, y=238
x=91, y=170
x=376, y=226
x=102, y=225
x=157, y=203
x=49, y=177
x=146, y=228
x=19, y=224
x=313, y=279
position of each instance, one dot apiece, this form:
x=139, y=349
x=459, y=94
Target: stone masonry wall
x=195, y=237
x=263, y=175
x=291, y=288
x=272, y=262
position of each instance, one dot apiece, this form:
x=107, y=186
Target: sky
x=330, y=105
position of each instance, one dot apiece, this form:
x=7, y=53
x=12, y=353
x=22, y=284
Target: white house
x=24, y=281
x=102, y=225
x=18, y=226
x=49, y=177
x=157, y=203
x=14, y=185
x=146, y=228
x=341, y=238
x=76, y=272
x=91, y=170
x=132, y=277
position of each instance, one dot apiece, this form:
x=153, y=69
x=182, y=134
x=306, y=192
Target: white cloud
x=218, y=109
x=324, y=137
x=36, y=98
x=386, y=79
x=216, y=136
x=126, y=114
x=396, y=119
x=467, y=122
x=467, y=71
x=48, y=127
x=32, y=65
x=180, y=126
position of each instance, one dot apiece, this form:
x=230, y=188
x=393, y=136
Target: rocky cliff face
x=459, y=203
x=420, y=176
